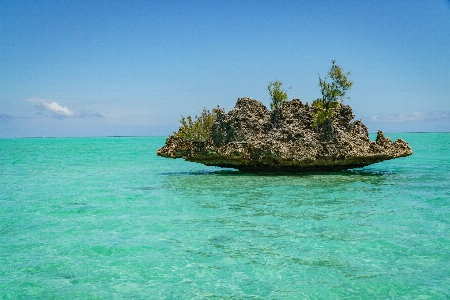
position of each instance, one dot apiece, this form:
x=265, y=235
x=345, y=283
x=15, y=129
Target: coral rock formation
x=252, y=138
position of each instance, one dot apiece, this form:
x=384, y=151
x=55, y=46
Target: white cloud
x=58, y=109
x=61, y=111
x=412, y=117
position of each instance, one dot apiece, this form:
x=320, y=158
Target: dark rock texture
x=252, y=138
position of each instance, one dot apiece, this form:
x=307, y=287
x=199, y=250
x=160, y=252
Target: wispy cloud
x=59, y=111
x=88, y=114
x=412, y=117
x=5, y=117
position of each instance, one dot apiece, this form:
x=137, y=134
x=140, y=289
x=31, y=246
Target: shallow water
x=101, y=218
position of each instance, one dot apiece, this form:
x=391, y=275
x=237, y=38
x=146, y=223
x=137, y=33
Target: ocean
x=105, y=218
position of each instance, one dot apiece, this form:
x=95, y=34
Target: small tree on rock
x=333, y=88
x=277, y=94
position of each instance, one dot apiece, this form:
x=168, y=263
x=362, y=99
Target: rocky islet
x=254, y=139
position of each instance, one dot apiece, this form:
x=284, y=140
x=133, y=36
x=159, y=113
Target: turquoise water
x=105, y=218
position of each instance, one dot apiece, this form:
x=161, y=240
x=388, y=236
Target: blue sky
x=100, y=68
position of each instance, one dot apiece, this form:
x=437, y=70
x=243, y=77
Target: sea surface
x=105, y=218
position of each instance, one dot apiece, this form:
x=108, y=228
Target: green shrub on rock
x=198, y=129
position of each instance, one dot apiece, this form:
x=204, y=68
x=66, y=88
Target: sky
x=133, y=68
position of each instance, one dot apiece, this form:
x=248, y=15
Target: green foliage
x=321, y=113
x=333, y=88
x=277, y=94
x=198, y=129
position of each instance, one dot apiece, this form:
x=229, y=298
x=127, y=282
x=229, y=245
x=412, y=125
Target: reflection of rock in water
x=247, y=139
x=239, y=184
x=267, y=195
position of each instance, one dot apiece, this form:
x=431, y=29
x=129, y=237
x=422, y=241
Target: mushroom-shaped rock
x=249, y=138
